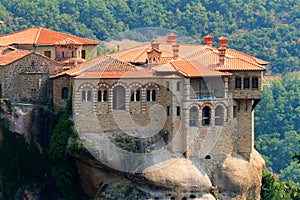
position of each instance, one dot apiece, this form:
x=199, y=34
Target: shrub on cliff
x=63, y=169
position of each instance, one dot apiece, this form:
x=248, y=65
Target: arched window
x=65, y=93
x=254, y=82
x=89, y=96
x=135, y=95
x=119, y=98
x=102, y=95
x=83, y=96
x=206, y=115
x=219, y=116
x=194, y=116
x=151, y=95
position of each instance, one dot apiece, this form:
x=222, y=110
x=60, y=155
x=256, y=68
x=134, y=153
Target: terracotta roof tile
x=205, y=55
x=195, y=69
x=13, y=56
x=40, y=36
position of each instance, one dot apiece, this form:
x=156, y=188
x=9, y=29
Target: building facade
x=202, y=97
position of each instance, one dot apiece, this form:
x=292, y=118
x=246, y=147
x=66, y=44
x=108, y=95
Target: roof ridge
x=37, y=35
x=139, y=54
x=19, y=31
x=68, y=34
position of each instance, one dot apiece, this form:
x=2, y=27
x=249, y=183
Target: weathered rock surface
x=239, y=179
x=177, y=173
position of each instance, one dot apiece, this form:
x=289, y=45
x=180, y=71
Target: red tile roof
x=13, y=56
x=41, y=36
x=195, y=69
x=205, y=55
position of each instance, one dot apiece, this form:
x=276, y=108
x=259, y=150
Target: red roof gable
x=41, y=36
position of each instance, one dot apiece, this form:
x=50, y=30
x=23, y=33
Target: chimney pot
x=223, y=42
x=208, y=40
x=222, y=50
x=175, y=48
x=171, y=39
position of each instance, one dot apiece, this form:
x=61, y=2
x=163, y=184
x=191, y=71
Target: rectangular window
x=168, y=110
x=237, y=82
x=246, y=83
x=235, y=110
x=178, y=86
x=83, y=54
x=254, y=83
x=178, y=110
x=47, y=54
x=168, y=85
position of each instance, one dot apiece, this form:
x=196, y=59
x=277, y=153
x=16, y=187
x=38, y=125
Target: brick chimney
x=175, y=48
x=222, y=50
x=208, y=40
x=155, y=45
x=171, y=39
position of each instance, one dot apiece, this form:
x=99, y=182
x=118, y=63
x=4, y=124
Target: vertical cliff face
x=31, y=121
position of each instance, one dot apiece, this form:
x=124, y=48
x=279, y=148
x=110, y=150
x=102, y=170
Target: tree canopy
x=266, y=29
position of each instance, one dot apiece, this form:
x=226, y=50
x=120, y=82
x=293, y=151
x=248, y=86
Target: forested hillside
x=266, y=29
x=277, y=131
x=277, y=126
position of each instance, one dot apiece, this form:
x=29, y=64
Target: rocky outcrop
x=172, y=179
x=239, y=179
x=177, y=173
x=175, y=178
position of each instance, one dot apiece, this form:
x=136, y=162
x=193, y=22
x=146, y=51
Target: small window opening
x=178, y=110
x=65, y=93
x=238, y=82
x=246, y=83
x=254, y=83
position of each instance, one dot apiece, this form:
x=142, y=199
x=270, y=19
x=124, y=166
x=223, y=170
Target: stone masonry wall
x=245, y=93
x=58, y=84
x=138, y=110
x=27, y=79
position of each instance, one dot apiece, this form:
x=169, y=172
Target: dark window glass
x=83, y=54
x=178, y=110
x=105, y=95
x=148, y=95
x=153, y=95
x=168, y=110
x=138, y=95
x=246, y=83
x=238, y=82
x=254, y=82
x=65, y=93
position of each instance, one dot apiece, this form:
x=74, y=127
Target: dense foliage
x=21, y=164
x=277, y=126
x=273, y=189
x=63, y=169
x=266, y=29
